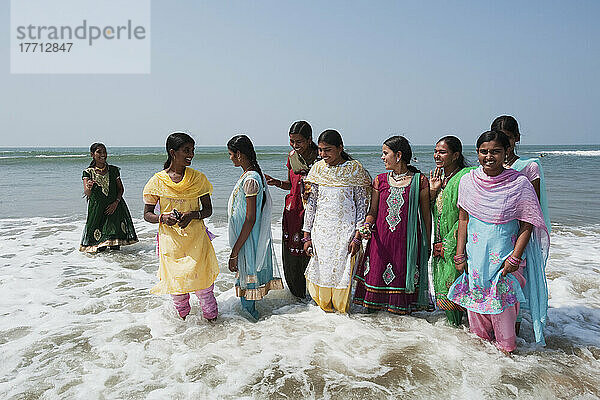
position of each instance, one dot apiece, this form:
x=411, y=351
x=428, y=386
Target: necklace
x=447, y=178
x=395, y=176
x=101, y=169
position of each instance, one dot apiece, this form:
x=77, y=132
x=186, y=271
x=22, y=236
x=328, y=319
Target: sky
x=367, y=69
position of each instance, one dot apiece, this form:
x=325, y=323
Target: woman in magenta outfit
x=300, y=159
x=393, y=275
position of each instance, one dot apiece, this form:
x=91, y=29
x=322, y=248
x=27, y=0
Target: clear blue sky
x=368, y=69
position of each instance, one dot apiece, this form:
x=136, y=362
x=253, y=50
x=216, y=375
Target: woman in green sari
x=108, y=221
x=443, y=191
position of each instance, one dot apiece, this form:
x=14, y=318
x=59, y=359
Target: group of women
x=490, y=230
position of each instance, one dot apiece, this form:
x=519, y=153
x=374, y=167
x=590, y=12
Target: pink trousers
x=207, y=300
x=500, y=327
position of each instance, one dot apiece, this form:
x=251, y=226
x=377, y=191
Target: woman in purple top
x=393, y=274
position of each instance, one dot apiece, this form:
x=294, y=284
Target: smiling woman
x=187, y=258
x=300, y=159
x=500, y=224
x=338, y=198
x=108, y=221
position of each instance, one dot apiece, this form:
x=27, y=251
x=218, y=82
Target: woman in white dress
x=336, y=208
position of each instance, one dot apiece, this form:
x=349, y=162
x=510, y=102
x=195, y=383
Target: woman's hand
x=308, y=250
x=435, y=181
x=462, y=267
x=438, y=249
x=110, y=209
x=89, y=184
x=272, y=181
x=354, y=246
x=233, y=262
x=507, y=268
x=186, y=218
x=365, y=231
x=168, y=219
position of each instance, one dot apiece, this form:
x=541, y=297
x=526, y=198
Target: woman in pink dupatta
x=500, y=224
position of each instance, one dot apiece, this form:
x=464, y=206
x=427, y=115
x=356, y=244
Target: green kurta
x=103, y=230
x=445, y=220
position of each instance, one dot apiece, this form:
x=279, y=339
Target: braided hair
x=243, y=144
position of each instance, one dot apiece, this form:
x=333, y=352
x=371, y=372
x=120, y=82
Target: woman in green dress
x=443, y=191
x=108, y=220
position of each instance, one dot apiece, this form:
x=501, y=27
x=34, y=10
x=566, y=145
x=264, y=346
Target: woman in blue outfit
x=249, y=217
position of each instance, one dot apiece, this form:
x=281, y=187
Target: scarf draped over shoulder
x=504, y=198
x=193, y=185
x=350, y=173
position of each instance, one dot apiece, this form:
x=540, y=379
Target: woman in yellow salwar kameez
x=187, y=258
x=336, y=208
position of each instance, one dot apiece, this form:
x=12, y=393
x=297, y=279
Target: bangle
x=514, y=261
x=460, y=258
x=280, y=183
x=365, y=229
x=306, y=239
x=160, y=218
x=233, y=258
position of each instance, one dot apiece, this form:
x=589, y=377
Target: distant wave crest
x=582, y=153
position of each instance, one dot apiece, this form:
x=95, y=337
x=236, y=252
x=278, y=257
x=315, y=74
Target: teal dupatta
x=519, y=165
x=416, y=261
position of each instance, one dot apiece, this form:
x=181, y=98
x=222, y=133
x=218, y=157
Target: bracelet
x=233, y=258
x=306, y=239
x=356, y=240
x=365, y=229
x=514, y=261
x=460, y=258
x=160, y=219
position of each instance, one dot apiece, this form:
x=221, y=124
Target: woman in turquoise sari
x=249, y=217
x=530, y=167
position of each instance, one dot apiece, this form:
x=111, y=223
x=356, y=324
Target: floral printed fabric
x=483, y=289
x=395, y=201
x=332, y=216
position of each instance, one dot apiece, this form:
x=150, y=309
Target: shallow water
x=79, y=326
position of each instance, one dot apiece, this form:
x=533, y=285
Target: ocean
x=79, y=326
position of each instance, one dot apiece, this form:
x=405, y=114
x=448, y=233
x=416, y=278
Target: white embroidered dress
x=336, y=207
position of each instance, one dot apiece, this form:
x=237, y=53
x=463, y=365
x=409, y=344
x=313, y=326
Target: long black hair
x=497, y=136
x=455, y=146
x=333, y=138
x=174, y=142
x=507, y=124
x=93, y=148
x=303, y=129
x=400, y=144
x=243, y=144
